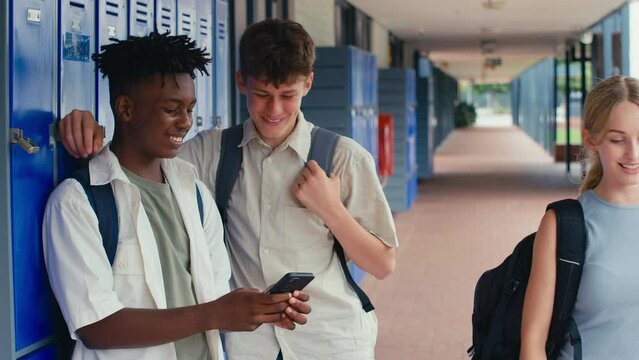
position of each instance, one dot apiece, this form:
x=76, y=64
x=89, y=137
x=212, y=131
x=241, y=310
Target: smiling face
x=158, y=115
x=274, y=110
x=618, y=147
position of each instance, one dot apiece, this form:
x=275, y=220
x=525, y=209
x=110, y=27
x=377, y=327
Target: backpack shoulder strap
x=200, y=205
x=228, y=167
x=323, y=143
x=571, y=253
x=102, y=201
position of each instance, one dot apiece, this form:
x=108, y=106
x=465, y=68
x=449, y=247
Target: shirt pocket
x=128, y=259
x=129, y=282
x=309, y=245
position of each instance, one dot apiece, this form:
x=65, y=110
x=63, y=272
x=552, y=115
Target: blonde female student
x=607, y=308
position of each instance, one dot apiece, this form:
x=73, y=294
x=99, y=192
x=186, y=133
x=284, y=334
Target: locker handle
x=25, y=143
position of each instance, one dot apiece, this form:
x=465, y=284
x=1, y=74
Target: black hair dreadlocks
x=138, y=57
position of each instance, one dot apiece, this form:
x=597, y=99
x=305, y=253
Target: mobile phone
x=290, y=282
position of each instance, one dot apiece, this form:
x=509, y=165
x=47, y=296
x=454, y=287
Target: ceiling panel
x=521, y=31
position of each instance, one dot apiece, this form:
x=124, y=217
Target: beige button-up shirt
x=270, y=234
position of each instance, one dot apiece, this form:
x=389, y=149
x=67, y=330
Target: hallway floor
x=490, y=190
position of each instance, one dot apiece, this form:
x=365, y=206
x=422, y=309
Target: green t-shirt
x=173, y=246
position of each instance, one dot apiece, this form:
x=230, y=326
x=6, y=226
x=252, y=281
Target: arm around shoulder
x=540, y=293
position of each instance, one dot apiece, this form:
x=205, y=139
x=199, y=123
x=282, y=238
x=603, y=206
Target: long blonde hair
x=597, y=108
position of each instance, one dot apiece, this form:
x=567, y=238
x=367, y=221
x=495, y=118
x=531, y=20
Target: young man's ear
x=240, y=81
x=308, y=83
x=124, y=108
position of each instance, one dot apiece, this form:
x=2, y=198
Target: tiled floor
x=490, y=190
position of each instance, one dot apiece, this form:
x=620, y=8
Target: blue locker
x=77, y=87
x=203, y=83
x=372, y=108
x=165, y=16
x=343, y=99
x=46, y=353
x=32, y=103
x=425, y=120
x=397, y=96
x=221, y=63
x=444, y=94
x=140, y=17
x=187, y=25
x=340, y=99
x=112, y=23
x=357, y=273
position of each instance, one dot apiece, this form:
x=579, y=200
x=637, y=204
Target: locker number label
x=112, y=31
x=76, y=25
x=33, y=15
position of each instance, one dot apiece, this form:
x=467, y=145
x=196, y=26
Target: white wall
x=380, y=44
x=409, y=55
x=317, y=17
x=633, y=39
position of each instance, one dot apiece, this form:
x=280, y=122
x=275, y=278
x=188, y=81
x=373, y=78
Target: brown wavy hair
x=276, y=51
x=597, y=108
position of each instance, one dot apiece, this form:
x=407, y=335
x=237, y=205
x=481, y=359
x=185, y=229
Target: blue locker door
x=46, y=353
x=221, y=61
x=31, y=99
x=373, y=106
x=112, y=23
x=204, y=83
x=187, y=25
x=76, y=69
x=165, y=19
x=140, y=17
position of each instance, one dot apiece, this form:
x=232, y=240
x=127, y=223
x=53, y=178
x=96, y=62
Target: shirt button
x=268, y=160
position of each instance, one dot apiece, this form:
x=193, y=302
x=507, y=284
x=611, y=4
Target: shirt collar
x=299, y=140
x=105, y=168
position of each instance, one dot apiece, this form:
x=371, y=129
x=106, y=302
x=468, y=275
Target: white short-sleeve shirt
x=89, y=289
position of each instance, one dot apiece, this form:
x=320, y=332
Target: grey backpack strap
x=200, y=204
x=228, y=168
x=323, y=143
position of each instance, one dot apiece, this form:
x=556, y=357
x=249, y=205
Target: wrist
x=335, y=215
x=210, y=317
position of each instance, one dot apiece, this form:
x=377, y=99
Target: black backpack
x=499, y=294
x=323, y=144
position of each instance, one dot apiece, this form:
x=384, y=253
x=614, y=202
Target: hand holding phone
x=290, y=282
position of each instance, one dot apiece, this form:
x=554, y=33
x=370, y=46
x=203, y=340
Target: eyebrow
x=176, y=100
x=290, y=91
x=616, y=131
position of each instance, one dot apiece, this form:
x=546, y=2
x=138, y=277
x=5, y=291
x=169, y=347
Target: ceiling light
x=488, y=46
x=586, y=38
x=493, y=4
x=490, y=30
